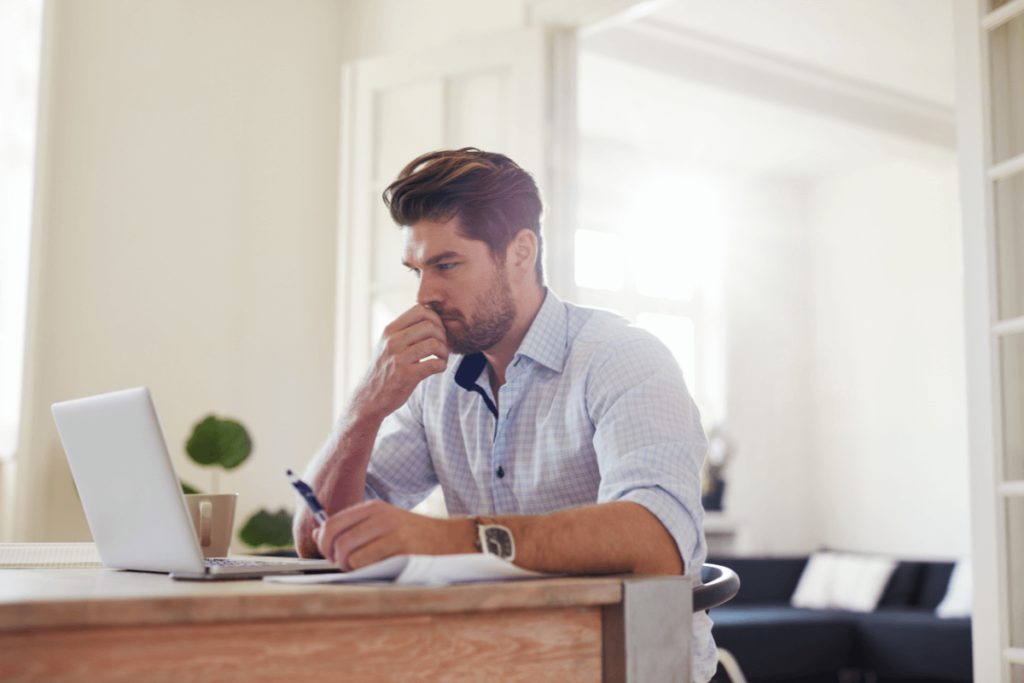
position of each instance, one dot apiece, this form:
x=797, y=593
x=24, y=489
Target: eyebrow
x=433, y=260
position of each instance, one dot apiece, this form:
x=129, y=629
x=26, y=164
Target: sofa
x=902, y=640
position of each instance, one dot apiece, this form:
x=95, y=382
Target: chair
x=720, y=585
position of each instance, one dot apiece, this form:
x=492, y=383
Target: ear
x=521, y=254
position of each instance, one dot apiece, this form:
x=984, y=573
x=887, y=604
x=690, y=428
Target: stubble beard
x=495, y=312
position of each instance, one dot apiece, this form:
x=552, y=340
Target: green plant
x=266, y=529
x=217, y=443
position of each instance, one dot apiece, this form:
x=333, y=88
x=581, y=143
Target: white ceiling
x=903, y=45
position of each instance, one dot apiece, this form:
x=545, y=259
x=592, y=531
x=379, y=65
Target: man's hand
x=400, y=363
x=374, y=530
x=304, y=529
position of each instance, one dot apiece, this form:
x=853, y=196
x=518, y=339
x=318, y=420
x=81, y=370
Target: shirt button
x=500, y=473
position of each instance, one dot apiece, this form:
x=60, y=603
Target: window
x=20, y=42
x=649, y=248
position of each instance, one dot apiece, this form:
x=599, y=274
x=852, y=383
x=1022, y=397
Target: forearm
x=337, y=475
x=338, y=472
x=610, y=538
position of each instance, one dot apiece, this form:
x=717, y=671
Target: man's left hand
x=374, y=530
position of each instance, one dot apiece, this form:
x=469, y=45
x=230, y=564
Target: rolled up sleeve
x=649, y=441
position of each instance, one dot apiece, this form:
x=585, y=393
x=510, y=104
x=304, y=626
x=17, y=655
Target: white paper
x=422, y=570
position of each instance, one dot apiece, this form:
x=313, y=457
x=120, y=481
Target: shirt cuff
x=684, y=529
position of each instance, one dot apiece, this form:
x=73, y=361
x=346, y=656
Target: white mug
x=213, y=516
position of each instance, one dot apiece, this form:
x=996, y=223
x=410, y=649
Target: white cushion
x=844, y=581
x=814, y=590
x=957, y=602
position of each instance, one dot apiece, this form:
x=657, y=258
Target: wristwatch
x=494, y=539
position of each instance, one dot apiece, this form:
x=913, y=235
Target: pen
x=307, y=495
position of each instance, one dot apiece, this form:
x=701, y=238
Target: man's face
x=460, y=281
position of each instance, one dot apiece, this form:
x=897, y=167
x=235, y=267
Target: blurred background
x=770, y=186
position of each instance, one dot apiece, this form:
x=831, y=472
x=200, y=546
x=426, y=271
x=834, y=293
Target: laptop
x=132, y=498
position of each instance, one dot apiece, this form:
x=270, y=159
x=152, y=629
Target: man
x=568, y=433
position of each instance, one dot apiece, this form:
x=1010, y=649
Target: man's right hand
x=401, y=360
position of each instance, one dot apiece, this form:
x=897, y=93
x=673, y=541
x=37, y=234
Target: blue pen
x=307, y=494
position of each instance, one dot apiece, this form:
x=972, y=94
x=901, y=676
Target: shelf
x=1012, y=488
x=1003, y=14
x=1006, y=168
x=720, y=523
x=1009, y=326
x=1014, y=654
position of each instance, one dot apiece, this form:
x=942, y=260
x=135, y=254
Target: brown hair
x=492, y=196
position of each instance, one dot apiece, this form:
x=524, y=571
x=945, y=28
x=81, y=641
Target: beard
x=495, y=311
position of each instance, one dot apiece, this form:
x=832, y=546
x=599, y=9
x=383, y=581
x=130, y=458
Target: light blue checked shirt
x=593, y=410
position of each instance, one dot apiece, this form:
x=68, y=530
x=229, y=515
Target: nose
x=428, y=293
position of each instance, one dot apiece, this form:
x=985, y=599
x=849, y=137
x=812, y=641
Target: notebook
x=131, y=495
x=48, y=556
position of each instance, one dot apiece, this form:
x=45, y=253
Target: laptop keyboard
x=225, y=562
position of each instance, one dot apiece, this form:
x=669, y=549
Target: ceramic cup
x=213, y=516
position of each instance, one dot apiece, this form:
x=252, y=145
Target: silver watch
x=495, y=539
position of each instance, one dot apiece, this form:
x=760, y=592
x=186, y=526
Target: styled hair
x=491, y=195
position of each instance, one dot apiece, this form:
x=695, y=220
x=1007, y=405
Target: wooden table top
x=75, y=598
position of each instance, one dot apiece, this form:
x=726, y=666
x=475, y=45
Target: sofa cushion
x=958, y=600
x=765, y=580
x=846, y=581
x=915, y=643
x=781, y=642
x=934, y=584
x=904, y=585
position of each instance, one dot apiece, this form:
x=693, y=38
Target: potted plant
x=224, y=444
x=713, y=472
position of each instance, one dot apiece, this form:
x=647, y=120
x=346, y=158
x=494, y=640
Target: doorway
x=771, y=188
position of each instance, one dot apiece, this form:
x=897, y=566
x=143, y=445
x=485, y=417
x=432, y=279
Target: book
x=422, y=570
x=48, y=555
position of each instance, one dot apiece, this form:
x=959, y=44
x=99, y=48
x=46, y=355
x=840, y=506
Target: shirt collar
x=544, y=343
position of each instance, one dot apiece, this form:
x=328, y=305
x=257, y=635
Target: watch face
x=499, y=541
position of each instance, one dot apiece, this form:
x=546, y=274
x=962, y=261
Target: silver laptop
x=133, y=500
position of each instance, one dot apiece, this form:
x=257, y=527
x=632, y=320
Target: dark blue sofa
x=902, y=640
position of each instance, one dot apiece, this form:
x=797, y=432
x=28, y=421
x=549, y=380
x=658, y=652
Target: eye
x=414, y=271
x=445, y=266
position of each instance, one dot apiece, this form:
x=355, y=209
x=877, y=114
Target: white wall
x=188, y=233
x=846, y=395
x=888, y=367
x=391, y=26
x=770, y=412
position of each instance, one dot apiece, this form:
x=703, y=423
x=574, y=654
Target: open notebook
x=424, y=570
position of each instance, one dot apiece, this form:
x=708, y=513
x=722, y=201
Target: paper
x=48, y=555
x=423, y=570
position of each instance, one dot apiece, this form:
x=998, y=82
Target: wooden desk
x=105, y=625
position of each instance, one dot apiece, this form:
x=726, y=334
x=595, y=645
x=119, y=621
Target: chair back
x=720, y=586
